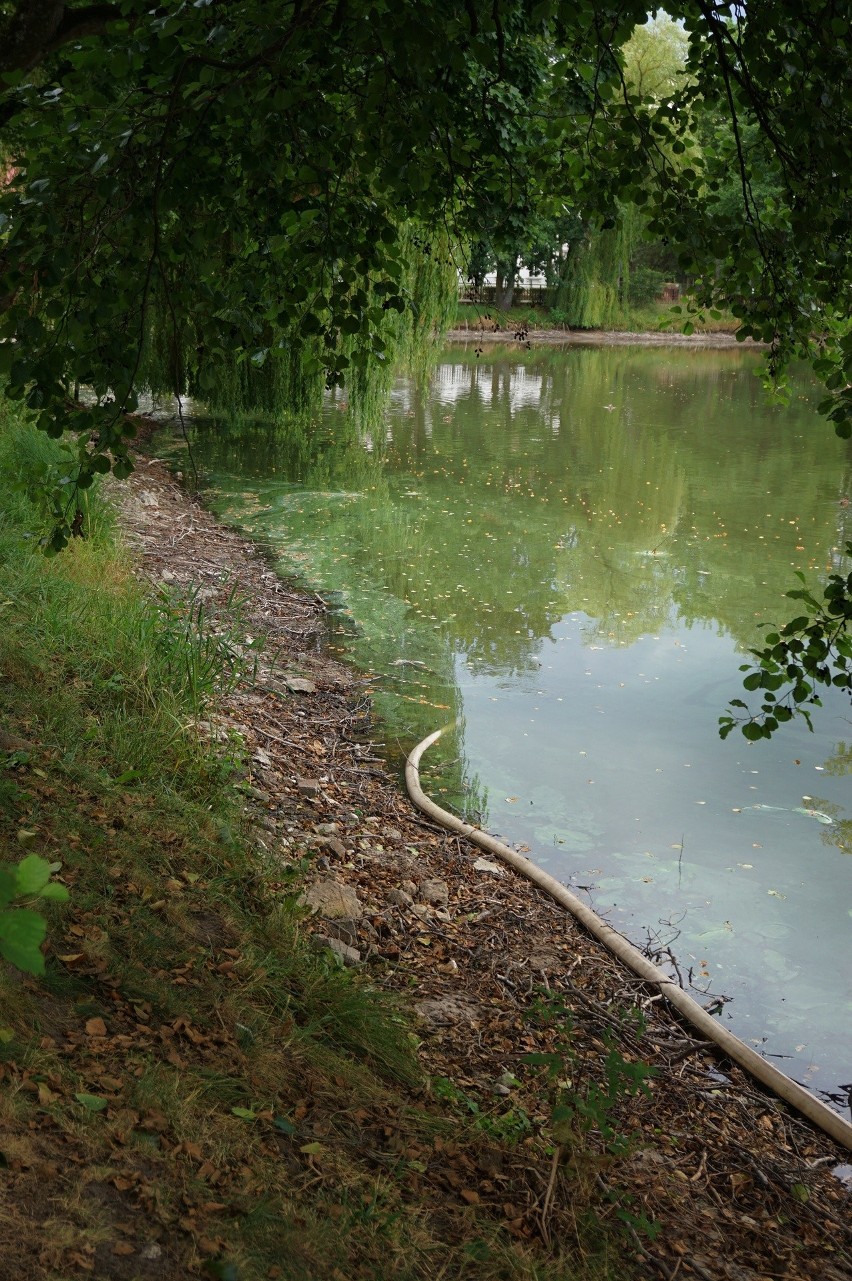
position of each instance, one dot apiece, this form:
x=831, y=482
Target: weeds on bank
x=191, y=1088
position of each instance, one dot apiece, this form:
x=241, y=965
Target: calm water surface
x=567, y=552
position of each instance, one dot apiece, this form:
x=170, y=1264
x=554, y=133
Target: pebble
x=333, y=899
x=345, y=929
x=254, y=792
x=436, y=892
x=348, y=955
x=336, y=847
x=485, y=865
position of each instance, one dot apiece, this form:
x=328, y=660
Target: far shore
x=598, y=337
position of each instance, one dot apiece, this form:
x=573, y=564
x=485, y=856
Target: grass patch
x=193, y=1089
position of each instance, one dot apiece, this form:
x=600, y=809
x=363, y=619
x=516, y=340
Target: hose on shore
x=732, y=1047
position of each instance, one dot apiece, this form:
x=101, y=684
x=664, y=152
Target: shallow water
x=566, y=552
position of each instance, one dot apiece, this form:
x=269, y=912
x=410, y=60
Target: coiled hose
x=790, y=1091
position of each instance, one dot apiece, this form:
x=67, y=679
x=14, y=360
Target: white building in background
x=525, y=279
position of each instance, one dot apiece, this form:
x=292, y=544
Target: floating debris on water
x=798, y=809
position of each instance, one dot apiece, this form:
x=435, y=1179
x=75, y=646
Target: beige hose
x=796, y=1095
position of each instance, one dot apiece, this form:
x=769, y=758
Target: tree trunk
x=505, y=284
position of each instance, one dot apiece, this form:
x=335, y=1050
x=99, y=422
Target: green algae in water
x=579, y=546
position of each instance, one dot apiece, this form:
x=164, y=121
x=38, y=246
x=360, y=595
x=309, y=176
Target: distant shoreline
x=600, y=337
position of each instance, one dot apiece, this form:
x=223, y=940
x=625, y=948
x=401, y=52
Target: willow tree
x=594, y=274
x=215, y=195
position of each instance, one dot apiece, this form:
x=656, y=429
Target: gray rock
x=300, y=685
x=446, y=1011
x=307, y=787
x=400, y=898
x=485, y=865
x=435, y=892
x=345, y=929
x=333, y=900
x=256, y=793
x=333, y=845
x=348, y=955
x=327, y=829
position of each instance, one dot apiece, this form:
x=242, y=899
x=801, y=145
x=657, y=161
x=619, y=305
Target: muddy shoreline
x=597, y=338
x=719, y=1165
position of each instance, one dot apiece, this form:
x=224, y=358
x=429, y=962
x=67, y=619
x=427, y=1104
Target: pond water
x=566, y=552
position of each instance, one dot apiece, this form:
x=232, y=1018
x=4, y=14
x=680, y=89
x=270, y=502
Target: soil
x=738, y=1188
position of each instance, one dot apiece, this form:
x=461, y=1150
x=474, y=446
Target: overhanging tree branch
x=39, y=27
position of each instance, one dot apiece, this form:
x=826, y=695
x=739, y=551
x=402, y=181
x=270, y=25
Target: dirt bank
x=595, y=338
x=739, y=1189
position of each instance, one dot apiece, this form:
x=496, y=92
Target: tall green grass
x=103, y=683
x=121, y=675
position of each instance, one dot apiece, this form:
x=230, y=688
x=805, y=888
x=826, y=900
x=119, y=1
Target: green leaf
x=245, y=1114
x=55, y=893
x=21, y=936
x=33, y=873
x=221, y=1270
x=92, y=1102
x=8, y=886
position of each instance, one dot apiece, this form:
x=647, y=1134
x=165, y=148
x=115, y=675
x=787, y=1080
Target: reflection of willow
x=548, y=484
x=563, y=520
x=840, y=835
x=290, y=448
x=624, y=561
x=752, y=493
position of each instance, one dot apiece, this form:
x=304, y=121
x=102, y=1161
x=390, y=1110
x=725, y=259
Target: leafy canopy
x=204, y=192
